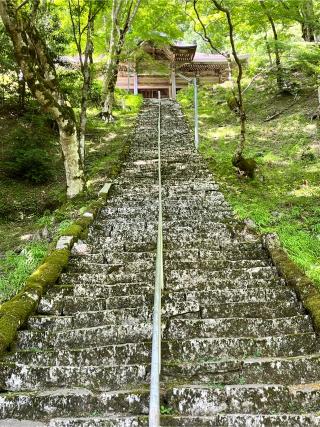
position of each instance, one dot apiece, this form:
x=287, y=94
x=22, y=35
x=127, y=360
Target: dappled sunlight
x=306, y=190
x=222, y=133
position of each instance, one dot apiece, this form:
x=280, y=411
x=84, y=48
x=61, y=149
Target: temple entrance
x=153, y=93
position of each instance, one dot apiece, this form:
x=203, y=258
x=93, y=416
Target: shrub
x=27, y=158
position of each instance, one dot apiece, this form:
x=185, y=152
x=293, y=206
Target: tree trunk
x=111, y=74
x=123, y=14
x=21, y=90
x=32, y=58
x=239, y=99
x=109, y=88
x=71, y=158
x=308, y=24
x=279, y=72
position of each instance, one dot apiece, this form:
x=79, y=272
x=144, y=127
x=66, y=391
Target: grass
x=284, y=196
x=27, y=208
x=15, y=268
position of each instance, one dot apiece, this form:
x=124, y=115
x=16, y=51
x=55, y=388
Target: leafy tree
x=33, y=58
x=82, y=15
x=122, y=16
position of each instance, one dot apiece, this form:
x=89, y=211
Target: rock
x=27, y=237
x=45, y=234
x=250, y=224
x=80, y=248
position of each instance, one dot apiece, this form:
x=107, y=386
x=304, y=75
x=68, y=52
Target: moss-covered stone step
x=72, y=402
x=199, y=276
x=240, y=420
x=85, y=337
x=95, y=421
x=95, y=377
x=81, y=266
x=89, y=318
x=262, y=309
x=223, y=283
x=113, y=290
x=269, y=294
x=128, y=353
x=241, y=346
x=120, y=276
x=232, y=253
x=215, y=264
x=73, y=304
x=246, y=399
x=258, y=370
x=232, y=327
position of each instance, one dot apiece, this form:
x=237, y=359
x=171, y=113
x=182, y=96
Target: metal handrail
x=154, y=404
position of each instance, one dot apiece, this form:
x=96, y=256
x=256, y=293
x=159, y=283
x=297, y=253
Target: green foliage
x=165, y=410
x=284, y=195
x=27, y=158
x=15, y=268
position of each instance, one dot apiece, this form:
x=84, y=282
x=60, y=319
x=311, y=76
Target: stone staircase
x=238, y=348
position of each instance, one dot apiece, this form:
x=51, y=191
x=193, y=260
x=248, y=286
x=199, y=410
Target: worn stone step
x=85, y=337
x=102, y=377
x=115, y=354
x=232, y=327
x=68, y=305
x=220, y=296
x=71, y=402
x=96, y=421
x=225, y=284
x=262, y=309
x=268, y=346
x=241, y=420
x=232, y=252
x=251, y=399
x=84, y=266
x=258, y=370
x=236, y=274
x=89, y=318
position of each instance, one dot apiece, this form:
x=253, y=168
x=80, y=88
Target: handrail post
x=196, y=116
x=154, y=404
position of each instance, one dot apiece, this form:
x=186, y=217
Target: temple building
x=168, y=70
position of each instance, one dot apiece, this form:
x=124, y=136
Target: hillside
x=284, y=196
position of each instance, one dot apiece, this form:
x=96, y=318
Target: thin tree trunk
x=268, y=49
x=117, y=39
x=21, y=90
x=308, y=25
x=242, y=115
x=279, y=74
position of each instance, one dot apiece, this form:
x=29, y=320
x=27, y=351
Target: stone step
x=219, y=420
x=261, y=309
x=200, y=276
x=239, y=252
x=144, y=277
x=285, y=371
x=240, y=420
x=220, y=296
x=233, y=327
x=252, y=399
x=84, y=266
x=73, y=402
x=241, y=346
x=102, y=377
x=85, y=337
x=129, y=353
x=89, y=318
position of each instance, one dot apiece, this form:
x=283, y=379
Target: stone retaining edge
x=15, y=312
x=305, y=289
